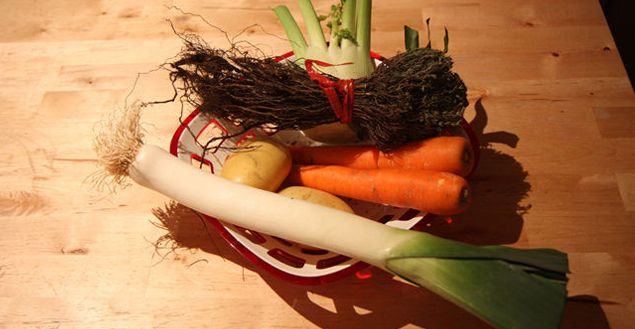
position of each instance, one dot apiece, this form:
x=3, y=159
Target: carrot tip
x=465, y=197
x=468, y=156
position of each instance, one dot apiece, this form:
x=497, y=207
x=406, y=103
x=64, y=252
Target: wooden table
x=549, y=98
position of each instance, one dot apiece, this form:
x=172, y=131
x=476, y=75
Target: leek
x=506, y=287
x=348, y=49
x=411, y=38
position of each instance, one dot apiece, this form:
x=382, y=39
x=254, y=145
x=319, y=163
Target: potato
x=316, y=196
x=260, y=162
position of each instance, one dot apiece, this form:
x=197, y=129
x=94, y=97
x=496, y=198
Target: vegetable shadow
x=373, y=298
x=584, y=311
x=499, y=188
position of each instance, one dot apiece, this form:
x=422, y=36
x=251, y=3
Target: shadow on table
x=370, y=299
x=584, y=312
x=374, y=298
x=499, y=187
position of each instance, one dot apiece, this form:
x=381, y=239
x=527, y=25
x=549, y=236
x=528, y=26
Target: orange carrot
x=452, y=154
x=431, y=191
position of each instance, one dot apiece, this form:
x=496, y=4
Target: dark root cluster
x=411, y=96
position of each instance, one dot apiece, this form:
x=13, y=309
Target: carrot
x=452, y=154
x=431, y=191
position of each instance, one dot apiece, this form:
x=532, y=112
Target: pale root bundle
x=116, y=144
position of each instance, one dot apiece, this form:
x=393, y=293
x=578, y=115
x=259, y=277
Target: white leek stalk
x=259, y=210
x=507, y=287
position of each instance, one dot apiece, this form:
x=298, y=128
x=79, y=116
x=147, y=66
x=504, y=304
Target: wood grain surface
x=549, y=99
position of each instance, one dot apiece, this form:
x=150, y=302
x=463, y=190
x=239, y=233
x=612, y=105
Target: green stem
x=348, y=16
x=411, y=38
x=291, y=28
x=312, y=23
x=335, y=30
x=364, y=10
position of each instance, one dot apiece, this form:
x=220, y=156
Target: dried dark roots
x=411, y=96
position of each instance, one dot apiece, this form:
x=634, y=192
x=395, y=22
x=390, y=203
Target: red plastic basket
x=285, y=259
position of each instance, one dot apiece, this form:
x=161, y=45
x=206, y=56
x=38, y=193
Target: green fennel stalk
x=349, y=45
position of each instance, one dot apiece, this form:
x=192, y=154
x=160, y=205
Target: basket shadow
x=185, y=229
x=378, y=300
x=371, y=299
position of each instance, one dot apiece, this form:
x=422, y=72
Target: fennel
x=348, y=49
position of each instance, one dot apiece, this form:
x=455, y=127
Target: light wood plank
x=549, y=100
